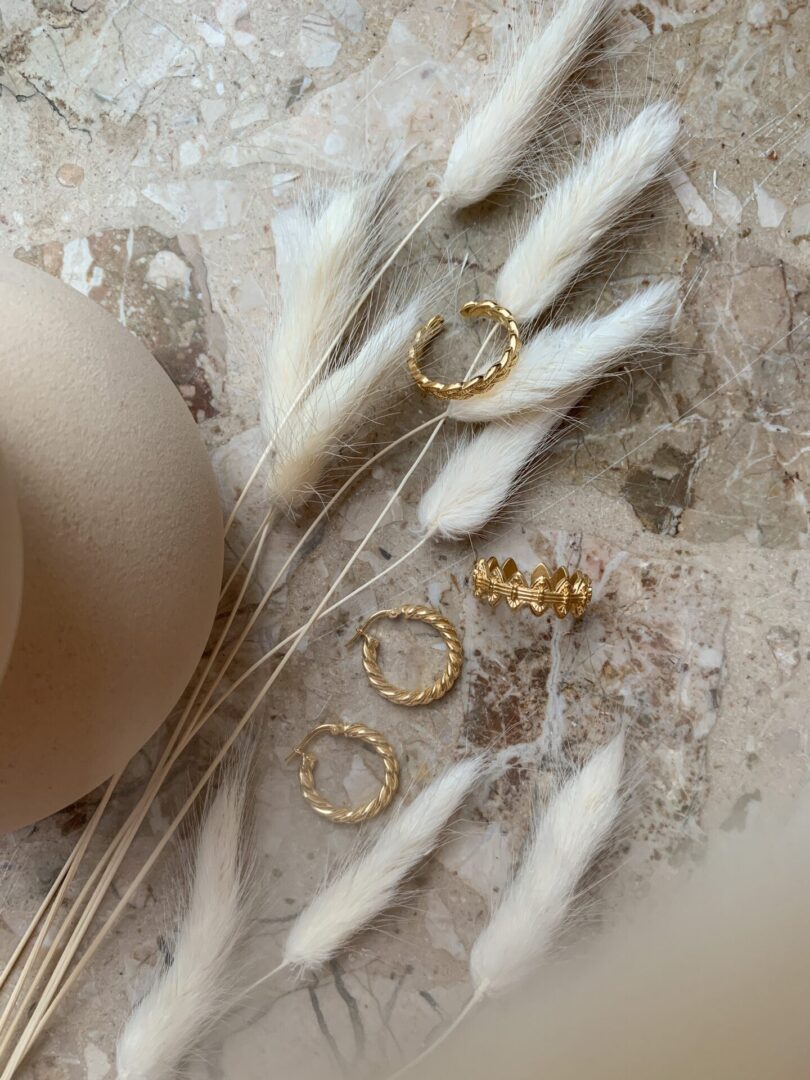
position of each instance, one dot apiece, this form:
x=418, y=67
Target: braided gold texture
x=546, y=590
x=445, y=682
x=345, y=815
x=478, y=384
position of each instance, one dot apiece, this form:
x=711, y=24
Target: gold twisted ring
x=344, y=815
x=478, y=384
x=371, y=646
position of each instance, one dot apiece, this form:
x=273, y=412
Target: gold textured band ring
x=344, y=815
x=478, y=384
x=371, y=646
x=557, y=591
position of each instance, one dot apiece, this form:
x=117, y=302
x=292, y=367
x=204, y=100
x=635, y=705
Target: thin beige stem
x=180, y=730
x=267, y=521
x=30, y=930
x=57, y=894
x=474, y=1001
x=52, y=901
x=277, y=648
x=325, y=358
x=177, y=745
x=382, y=453
x=270, y=974
x=439, y=421
x=263, y=534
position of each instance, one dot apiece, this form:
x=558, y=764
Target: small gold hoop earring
x=344, y=815
x=479, y=384
x=371, y=647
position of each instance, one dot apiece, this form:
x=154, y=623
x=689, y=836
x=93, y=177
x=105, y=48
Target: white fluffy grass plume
x=582, y=207
x=204, y=979
x=477, y=478
x=370, y=880
x=545, y=55
x=328, y=248
x=346, y=398
x=563, y=361
x=568, y=834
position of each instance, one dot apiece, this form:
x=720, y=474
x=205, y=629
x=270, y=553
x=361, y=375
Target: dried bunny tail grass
x=562, y=362
x=347, y=397
x=328, y=249
x=203, y=981
x=568, y=834
x=370, y=881
x=582, y=207
x=479, y=475
x=495, y=139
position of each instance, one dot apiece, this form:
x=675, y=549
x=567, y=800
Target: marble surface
x=145, y=151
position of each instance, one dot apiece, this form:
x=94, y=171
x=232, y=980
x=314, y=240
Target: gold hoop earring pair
x=342, y=815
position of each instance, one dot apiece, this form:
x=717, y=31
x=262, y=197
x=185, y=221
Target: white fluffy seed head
x=545, y=55
x=579, y=209
x=568, y=834
x=370, y=879
x=563, y=361
x=344, y=401
x=328, y=249
x=479, y=475
x=206, y=977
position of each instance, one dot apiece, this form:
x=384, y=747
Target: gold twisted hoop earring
x=344, y=815
x=479, y=384
x=371, y=646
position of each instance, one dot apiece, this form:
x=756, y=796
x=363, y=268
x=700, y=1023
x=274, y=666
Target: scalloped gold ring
x=478, y=384
x=545, y=590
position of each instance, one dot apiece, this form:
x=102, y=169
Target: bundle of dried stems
x=336, y=356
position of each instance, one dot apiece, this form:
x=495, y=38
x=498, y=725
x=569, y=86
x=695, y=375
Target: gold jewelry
x=479, y=384
x=563, y=593
x=344, y=815
x=371, y=646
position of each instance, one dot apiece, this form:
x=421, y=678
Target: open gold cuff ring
x=478, y=384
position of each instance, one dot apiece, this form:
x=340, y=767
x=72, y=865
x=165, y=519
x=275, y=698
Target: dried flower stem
x=267, y=522
x=473, y=1003
x=186, y=730
x=49, y=909
x=439, y=421
x=53, y=995
x=41, y=912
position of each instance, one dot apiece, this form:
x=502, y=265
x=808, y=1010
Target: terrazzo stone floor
x=146, y=150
